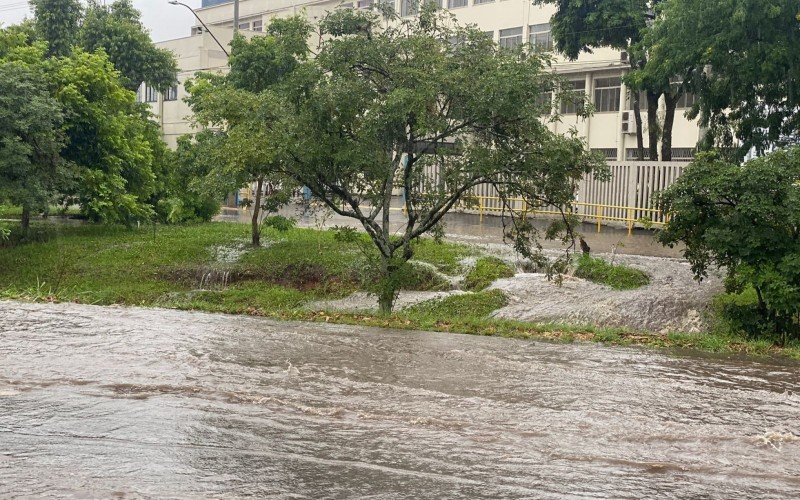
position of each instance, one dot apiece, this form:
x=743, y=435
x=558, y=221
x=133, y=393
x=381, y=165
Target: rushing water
x=97, y=402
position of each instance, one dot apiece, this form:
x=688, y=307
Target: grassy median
x=166, y=265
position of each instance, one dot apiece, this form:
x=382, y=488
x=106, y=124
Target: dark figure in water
x=584, y=246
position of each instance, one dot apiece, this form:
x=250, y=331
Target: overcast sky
x=164, y=21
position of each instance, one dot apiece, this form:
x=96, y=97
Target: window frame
x=509, y=41
x=607, y=94
x=574, y=108
x=171, y=94
x=535, y=30
x=150, y=94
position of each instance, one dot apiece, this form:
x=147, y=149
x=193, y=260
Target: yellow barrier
x=602, y=212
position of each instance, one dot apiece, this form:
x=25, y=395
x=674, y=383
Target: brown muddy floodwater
x=100, y=402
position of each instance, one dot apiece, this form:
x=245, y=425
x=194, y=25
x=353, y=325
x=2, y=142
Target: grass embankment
x=616, y=276
x=114, y=265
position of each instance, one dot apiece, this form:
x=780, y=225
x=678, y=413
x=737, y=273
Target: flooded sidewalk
x=472, y=228
x=138, y=403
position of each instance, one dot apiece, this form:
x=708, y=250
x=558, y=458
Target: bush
x=738, y=313
x=467, y=305
x=486, y=271
x=617, y=276
x=745, y=219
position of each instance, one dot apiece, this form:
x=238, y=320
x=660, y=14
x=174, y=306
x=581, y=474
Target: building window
x=171, y=94
x=608, y=153
x=454, y=4
x=576, y=106
x=364, y=4
x=632, y=154
x=540, y=38
x=386, y=4
x=606, y=94
x=489, y=35
x=511, y=37
x=150, y=94
x=683, y=154
x=480, y=2
x=258, y=26
x=408, y=7
x=244, y=26
x=197, y=30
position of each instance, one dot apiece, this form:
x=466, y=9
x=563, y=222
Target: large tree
x=109, y=145
x=742, y=58
x=582, y=25
x=30, y=138
x=58, y=22
x=428, y=109
x=244, y=105
x=118, y=30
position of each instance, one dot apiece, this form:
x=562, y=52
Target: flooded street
x=97, y=402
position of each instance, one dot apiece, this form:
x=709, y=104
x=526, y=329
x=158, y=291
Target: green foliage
x=110, y=143
x=88, y=141
x=581, y=25
x=381, y=105
x=486, y=271
x=30, y=138
x=476, y=305
x=57, y=23
x=739, y=313
x=245, y=105
x=279, y=223
x=617, y=276
x=745, y=219
x=742, y=58
x=118, y=31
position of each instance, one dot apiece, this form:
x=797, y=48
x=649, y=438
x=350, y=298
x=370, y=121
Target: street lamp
x=176, y=2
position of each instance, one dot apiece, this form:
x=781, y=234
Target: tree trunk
x=25, y=222
x=387, y=289
x=669, y=121
x=652, y=124
x=256, y=230
x=637, y=115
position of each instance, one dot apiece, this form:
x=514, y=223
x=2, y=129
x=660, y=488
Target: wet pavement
x=471, y=228
x=100, y=402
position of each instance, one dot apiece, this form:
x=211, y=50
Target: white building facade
x=610, y=130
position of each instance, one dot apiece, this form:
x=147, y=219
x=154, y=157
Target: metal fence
x=627, y=198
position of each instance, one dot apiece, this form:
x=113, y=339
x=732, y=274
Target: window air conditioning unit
x=628, y=122
x=623, y=56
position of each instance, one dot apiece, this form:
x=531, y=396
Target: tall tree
x=109, y=144
x=117, y=29
x=57, y=23
x=743, y=60
x=581, y=25
x=245, y=105
x=30, y=138
x=381, y=108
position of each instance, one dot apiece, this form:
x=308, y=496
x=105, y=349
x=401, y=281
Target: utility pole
x=235, y=17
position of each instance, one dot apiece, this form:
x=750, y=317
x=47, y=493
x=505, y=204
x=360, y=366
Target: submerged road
x=100, y=402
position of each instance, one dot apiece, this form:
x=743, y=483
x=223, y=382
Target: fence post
x=599, y=216
x=480, y=207
x=630, y=220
